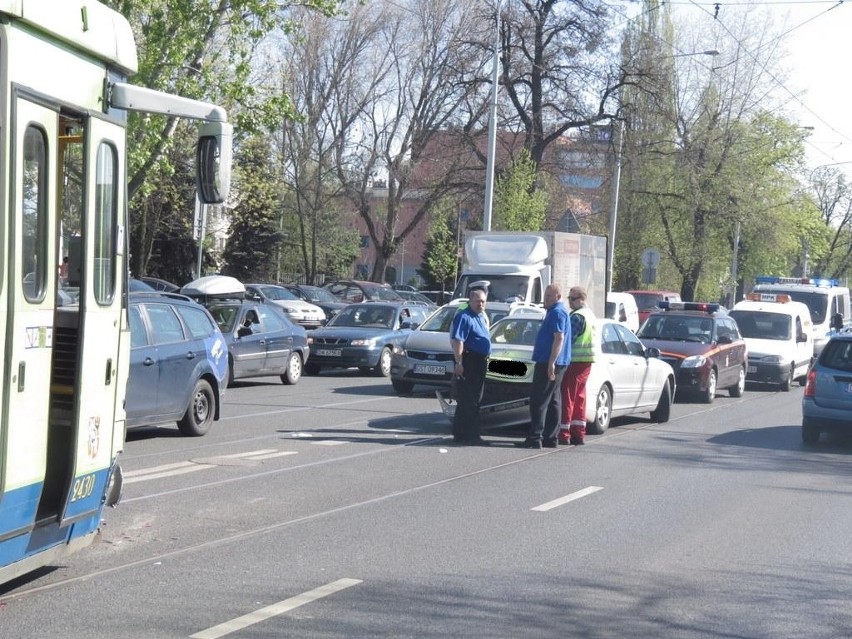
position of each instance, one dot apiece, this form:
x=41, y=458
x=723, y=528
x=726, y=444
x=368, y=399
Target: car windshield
x=647, y=301
x=317, y=294
x=382, y=293
x=502, y=288
x=365, y=315
x=510, y=330
x=225, y=316
x=677, y=328
x=816, y=302
x=441, y=320
x=763, y=325
x=837, y=354
x=277, y=293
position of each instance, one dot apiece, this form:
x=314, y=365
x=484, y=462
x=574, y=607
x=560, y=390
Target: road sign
x=650, y=258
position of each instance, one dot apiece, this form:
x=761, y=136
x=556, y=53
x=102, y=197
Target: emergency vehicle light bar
x=688, y=306
x=813, y=281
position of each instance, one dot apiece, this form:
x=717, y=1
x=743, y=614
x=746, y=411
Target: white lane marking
x=282, y=453
x=564, y=500
x=189, y=468
x=275, y=609
x=329, y=442
x=182, y=468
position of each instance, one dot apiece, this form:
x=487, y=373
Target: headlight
x=290, y=311
x=695, y=361
x=772, y=359
x=363, y=342
x=399, y=350
x=310, y=340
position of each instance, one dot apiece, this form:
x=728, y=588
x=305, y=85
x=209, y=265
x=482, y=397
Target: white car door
x=647, y=379
x=622, y=368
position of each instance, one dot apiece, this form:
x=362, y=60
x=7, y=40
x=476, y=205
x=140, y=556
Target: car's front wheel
x=294, y=369
x=383, y=368
x=787, y=383
x=710, y=394
x=401, y=386
x=199, y=415
x=603, y=411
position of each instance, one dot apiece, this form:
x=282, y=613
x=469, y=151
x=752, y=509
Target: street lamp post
x=492, y=125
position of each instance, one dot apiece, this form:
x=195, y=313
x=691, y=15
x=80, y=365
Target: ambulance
x=779, y=335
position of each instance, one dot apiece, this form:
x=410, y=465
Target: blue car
x=178, y=364
x=363, y=335
x=827, y=400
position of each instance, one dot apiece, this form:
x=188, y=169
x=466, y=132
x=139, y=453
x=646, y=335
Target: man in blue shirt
x=471, y=344
x=551, y=354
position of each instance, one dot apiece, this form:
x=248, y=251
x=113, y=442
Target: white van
x=824, y=298
x=622, y=308
x=779, y=337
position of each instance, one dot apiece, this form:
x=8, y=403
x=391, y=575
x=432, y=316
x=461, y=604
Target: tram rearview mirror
x=213, y=162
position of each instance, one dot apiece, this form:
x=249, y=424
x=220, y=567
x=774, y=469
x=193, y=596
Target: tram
x=64, y=99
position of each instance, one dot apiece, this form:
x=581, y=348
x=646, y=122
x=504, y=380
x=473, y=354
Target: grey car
x=261, y=340
x=425, y=356
x=178, y=364
x=363, y=335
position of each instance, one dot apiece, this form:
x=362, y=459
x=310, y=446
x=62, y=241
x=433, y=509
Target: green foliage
x=440, y=264
x=254, y=237
x=520, y=202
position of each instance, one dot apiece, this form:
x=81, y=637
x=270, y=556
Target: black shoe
x=550, y=443
x=529, y=443
x=578, y=442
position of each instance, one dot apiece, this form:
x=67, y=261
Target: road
x=336, y=509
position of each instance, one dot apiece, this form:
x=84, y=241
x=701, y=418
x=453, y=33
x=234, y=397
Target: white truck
x=520, y=265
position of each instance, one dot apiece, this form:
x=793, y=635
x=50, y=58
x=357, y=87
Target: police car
x=702, y=344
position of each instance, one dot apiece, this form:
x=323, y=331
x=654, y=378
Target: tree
x=201, y=50
x=830, y=243
x=441, y=261
x=520, y=206
x=254, y=233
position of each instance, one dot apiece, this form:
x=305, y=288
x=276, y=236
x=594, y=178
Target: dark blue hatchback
x=827, y=401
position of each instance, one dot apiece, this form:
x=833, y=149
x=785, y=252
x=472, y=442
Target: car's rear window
x=837, y=354
x=197, y=320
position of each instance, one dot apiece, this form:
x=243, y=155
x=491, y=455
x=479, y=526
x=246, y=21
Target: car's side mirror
x=652, y=351
x=837, y=321
x=801, y=337
x=725, y=339
x=244, y=331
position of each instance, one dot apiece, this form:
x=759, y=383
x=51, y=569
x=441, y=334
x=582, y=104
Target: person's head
x=552, y=294
x=577, y=297
x=65, y=260
x=476, y=301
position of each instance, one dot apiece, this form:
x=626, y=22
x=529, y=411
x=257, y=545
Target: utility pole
x=492, y=125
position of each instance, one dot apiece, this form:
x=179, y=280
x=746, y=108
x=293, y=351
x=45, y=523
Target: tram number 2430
x=83, y=487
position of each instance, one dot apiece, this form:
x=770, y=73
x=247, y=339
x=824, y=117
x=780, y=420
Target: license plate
x=429, y=369
x=752, y=369
x=329, y=352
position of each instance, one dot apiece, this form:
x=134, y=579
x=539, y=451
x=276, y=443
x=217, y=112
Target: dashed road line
x=567, y=498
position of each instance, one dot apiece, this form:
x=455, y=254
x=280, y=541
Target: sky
x=820, y=57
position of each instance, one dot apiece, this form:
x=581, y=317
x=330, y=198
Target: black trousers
x=545, y=404
x=468, y=396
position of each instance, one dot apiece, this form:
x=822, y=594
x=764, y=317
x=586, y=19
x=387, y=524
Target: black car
x=329, y=303
x=361, y=291
x=261, y=340
x=703, y=345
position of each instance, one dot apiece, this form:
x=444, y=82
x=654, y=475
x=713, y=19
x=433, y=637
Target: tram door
x=30, y=266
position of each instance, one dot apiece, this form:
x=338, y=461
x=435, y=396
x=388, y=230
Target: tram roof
x=86, y=25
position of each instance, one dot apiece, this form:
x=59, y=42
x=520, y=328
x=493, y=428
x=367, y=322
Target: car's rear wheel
x=383, y=367
x=810, y=431
x=739, y=389
x=663, y=410
x=199, y=415
x=294, y=369
x=710, y=394
x=401, y=386
x=603, y=411
x=787, y=383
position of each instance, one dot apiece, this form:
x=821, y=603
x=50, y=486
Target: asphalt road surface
x=335, y=508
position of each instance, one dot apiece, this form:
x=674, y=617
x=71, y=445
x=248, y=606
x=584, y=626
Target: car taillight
x=810, y=386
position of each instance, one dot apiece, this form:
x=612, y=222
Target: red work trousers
x=574, y=401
